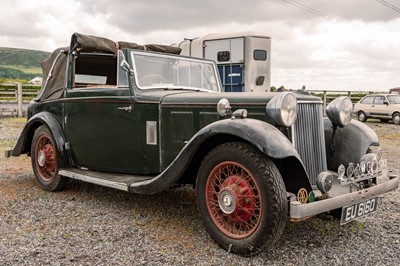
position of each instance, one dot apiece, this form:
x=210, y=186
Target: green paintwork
x=100, y=135
x=184, y=113
x=148, y=112
x=103, y=137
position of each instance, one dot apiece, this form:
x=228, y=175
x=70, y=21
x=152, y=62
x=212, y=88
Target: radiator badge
x=302, y=196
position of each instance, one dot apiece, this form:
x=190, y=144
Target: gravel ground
x=90, y=225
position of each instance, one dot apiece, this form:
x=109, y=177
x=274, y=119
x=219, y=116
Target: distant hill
x=18, y=63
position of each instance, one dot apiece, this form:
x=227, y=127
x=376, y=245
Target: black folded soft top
x=54, y=67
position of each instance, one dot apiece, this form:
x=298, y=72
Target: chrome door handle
x=125, y=108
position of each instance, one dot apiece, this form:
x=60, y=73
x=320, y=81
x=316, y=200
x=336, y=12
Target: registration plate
x=352, y=212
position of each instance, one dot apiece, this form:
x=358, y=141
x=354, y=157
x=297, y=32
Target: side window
x=93, y=70
x=260, y=55
x=223, y=56
x=379, y=99
x=368, y=100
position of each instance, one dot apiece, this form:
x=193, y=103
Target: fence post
x=19, y=99
x=324, y=101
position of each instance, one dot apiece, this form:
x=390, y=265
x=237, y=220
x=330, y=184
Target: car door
x=365, y=105
x=380, y=108
x=100, y=124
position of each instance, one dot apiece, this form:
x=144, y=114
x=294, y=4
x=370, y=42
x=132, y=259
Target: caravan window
x=260, y=55
x=223, y=56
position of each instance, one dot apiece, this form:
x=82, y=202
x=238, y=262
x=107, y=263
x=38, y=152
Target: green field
x=27, y=70
x=20, y=64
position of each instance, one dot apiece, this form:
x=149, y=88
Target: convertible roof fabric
x=55, y=66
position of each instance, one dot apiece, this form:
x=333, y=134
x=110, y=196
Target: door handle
x=125, y=108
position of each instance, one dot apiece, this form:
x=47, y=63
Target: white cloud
x=343, y=45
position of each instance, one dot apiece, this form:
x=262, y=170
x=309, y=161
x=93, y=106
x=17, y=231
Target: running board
x=113, y=180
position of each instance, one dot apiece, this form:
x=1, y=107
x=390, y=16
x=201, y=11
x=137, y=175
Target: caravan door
x=229, y=56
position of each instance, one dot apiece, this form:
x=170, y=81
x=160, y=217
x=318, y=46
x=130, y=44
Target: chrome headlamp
x=340, y=111
x=223, y=107
x=283, y=109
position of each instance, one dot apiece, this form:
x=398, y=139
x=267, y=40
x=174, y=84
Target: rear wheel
x=44, y=161
x=362, y=117
x=396, y=118
x=241, y=198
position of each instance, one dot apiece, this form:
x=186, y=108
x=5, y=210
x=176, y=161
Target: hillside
x=18, y=63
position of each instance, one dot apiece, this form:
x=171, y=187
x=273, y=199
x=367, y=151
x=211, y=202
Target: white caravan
x=243, y=59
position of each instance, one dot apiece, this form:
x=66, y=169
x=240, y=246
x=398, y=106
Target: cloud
x=318, y=43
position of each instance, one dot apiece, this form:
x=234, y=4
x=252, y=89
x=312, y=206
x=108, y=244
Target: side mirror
x=125, y=66
x=386, y=102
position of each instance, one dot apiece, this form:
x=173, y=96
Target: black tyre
x=44, y=161
x=396, y=118
x=362, y=117
x=241, y=198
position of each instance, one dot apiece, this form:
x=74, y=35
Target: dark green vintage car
x=144, y=119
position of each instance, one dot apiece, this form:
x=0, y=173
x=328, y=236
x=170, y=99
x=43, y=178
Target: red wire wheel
x=46, y=163
x=233, y=200
x=44, y=159
x=241, y=198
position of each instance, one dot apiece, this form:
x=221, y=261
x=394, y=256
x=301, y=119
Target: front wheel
x=396, y=118
x=241, y=198
x=362, y=117
x=44, y=161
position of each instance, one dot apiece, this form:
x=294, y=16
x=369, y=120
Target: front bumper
x=300, y=211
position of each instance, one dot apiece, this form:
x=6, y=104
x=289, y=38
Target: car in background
x=383, y=106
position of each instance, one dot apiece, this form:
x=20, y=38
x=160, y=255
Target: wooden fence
x=328, y=96
x=14, y=98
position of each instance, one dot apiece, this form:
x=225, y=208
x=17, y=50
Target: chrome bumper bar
x=300, y=211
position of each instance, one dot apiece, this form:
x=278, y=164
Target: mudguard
x=24, y=142
x=265, y=137
x=350, y=143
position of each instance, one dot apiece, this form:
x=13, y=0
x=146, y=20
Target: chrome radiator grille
x=308, y=133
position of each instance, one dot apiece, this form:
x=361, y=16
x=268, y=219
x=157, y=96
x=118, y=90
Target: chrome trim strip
x=299, y=211
x=93, y=180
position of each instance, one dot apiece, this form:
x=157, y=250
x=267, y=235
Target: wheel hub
x=41, y=158
x=45, y=158
x=235, y=199
x=227, y=201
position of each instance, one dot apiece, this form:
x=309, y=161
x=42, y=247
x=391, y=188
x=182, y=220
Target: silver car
x=383, y=106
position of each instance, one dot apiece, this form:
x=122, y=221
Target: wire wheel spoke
x=233, y=199
x=46, y=163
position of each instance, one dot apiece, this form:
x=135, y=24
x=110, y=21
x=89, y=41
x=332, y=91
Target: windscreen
x=154, y=71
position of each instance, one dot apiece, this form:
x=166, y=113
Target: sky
x=322, y=44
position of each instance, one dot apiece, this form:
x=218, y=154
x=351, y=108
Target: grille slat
x=309, y=138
